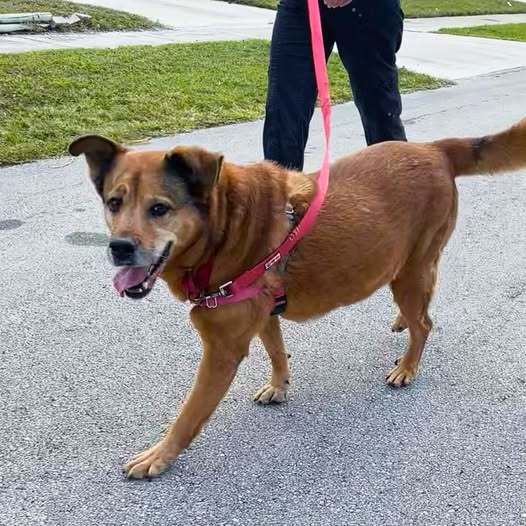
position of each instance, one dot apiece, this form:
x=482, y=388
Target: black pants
x=368, y=34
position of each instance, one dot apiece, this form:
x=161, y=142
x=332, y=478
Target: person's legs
x=291, y=93
x=368, y=35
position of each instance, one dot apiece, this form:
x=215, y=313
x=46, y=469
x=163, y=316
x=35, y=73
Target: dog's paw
x=399, y=325
x=401, y=375
x=270, y=394
x=149, y=463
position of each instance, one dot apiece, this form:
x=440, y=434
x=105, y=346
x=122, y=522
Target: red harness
x=195, y=283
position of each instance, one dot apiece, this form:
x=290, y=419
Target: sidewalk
x=445, y=56
x=191, y=13
x=455, y=57
x=186, y=13
x=213, y=26
x=114, y=39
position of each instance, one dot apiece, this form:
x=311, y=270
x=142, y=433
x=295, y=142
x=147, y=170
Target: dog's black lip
x=137, y=293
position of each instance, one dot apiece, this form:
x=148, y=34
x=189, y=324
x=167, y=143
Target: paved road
x=87, y=379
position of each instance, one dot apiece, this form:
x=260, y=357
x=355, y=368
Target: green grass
x=499, y=31
x=102, y=19
x=47, y=98
x=427, y=8
x=269, y=4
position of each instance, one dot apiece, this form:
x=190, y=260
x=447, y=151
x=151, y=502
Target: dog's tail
x=502, y=152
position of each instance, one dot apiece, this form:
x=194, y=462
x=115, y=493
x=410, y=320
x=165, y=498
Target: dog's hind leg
x=276, y=390
x=413, y=290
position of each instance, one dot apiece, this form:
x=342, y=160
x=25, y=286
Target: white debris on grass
x=11, y=22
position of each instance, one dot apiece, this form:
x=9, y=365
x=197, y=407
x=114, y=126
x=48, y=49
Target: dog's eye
x=114, y=204
x=159, y=210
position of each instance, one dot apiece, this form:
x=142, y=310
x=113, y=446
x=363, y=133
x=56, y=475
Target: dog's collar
x=196, y=282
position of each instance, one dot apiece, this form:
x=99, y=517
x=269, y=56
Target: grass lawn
x=500, y=31
x=102, y=19
x=427, y=8
x=49, y=97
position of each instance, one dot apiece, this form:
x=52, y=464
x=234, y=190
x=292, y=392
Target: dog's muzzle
x=137, y=282
x=122, y=251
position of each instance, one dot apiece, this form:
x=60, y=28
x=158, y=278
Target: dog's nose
x=122, y=250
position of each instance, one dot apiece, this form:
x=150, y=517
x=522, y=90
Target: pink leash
x=242, y=287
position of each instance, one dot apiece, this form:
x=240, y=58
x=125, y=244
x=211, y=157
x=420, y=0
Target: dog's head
x=153, y=204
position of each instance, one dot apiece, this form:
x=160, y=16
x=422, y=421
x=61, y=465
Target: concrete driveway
x=87, y=379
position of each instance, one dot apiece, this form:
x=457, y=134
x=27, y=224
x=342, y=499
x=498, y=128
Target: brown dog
x=389, y=213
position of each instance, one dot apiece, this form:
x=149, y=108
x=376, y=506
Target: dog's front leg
x=215, y=374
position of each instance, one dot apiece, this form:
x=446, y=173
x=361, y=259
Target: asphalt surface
x=87, y=379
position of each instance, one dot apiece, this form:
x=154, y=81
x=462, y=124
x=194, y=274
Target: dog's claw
x=399, y=325
x=270, y=394
x=400, y=375
x=149, y=463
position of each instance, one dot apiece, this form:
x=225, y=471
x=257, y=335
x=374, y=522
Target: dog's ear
x=100, y=155
x=197, y=167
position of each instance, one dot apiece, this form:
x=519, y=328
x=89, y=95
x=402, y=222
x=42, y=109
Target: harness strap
x=196, y=282
x=242, y=287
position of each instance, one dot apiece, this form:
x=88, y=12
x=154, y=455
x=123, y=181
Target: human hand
x=337, y=3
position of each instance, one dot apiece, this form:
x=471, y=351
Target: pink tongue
x=129, y=277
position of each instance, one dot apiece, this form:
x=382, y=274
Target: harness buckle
x=223, y=289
